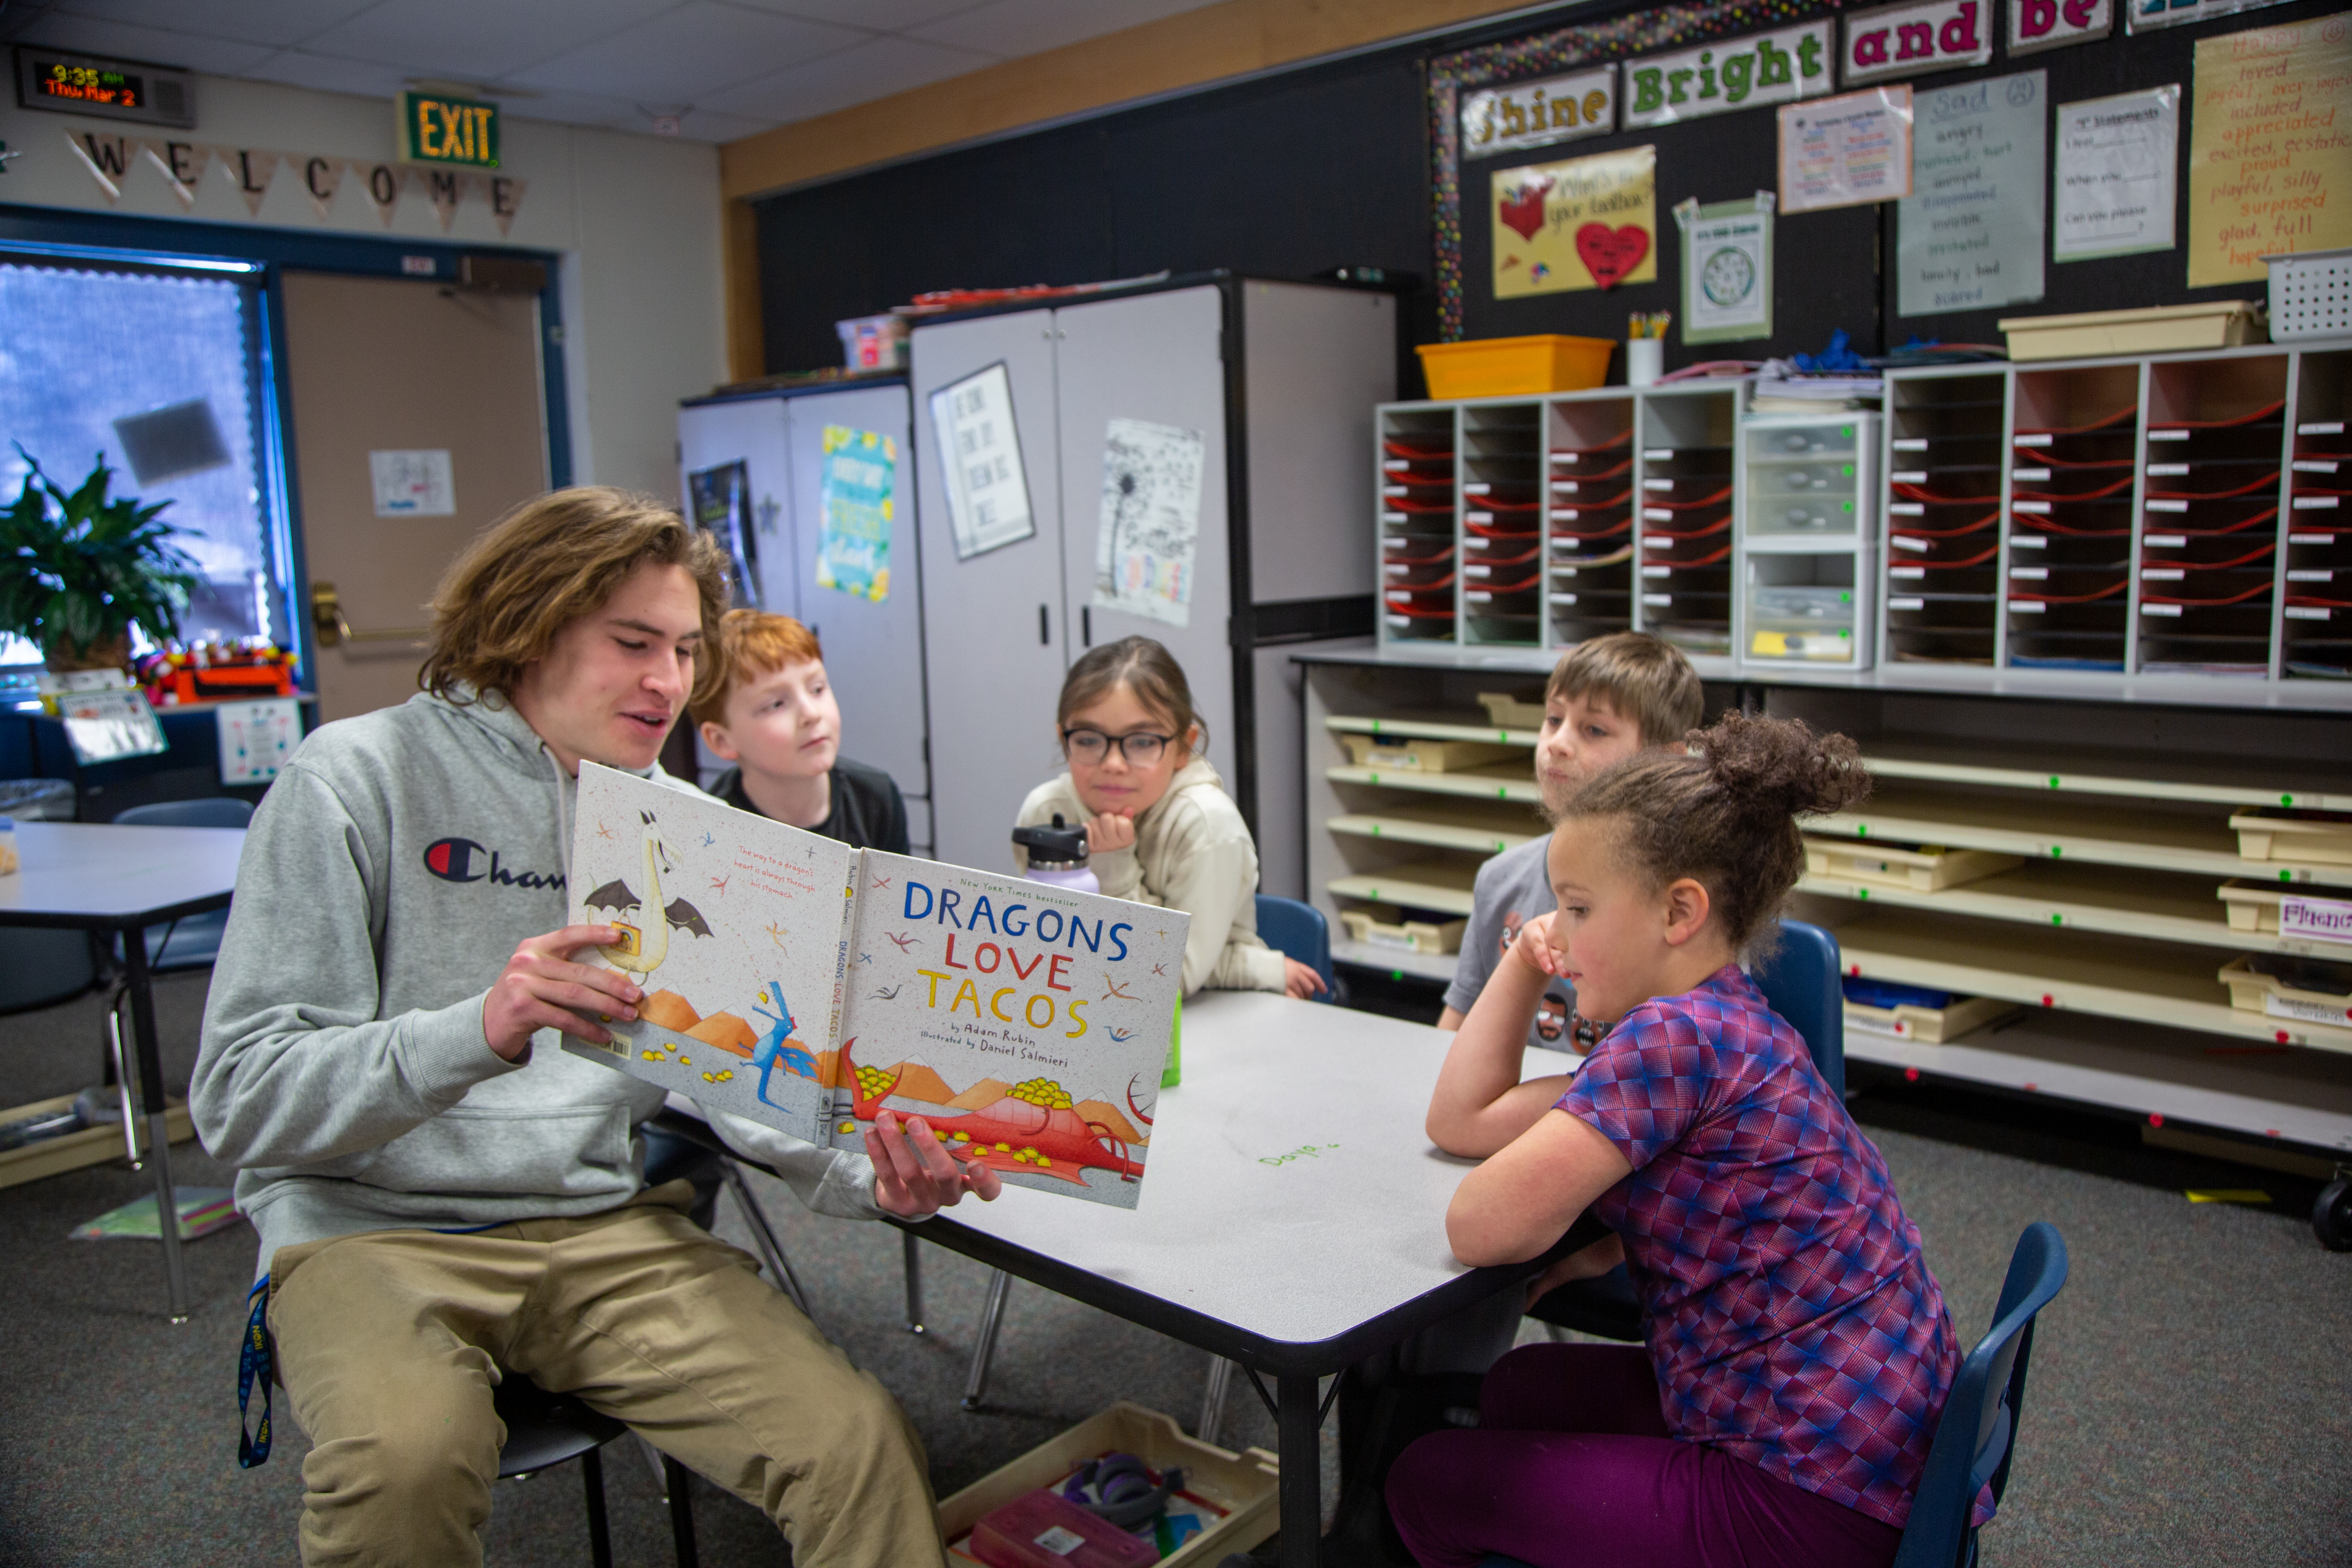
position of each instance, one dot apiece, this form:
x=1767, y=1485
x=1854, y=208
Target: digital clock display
x=90, y=84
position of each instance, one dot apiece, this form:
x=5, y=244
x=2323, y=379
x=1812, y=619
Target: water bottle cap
x=1058, y=845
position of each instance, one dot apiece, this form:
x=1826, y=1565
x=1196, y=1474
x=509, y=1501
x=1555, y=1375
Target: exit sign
x=455, y=131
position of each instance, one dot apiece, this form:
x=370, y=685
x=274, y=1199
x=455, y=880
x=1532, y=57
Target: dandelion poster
x=1583, y=223
x=857, y=502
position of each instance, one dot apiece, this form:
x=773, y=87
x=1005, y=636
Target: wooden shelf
x=2083, y=776
x=1467, y=827
x=1440, y=885
x=1498, y=783
x=1435, y=730
x=2116, y=977
x=2042, y=828
x=2072, y=897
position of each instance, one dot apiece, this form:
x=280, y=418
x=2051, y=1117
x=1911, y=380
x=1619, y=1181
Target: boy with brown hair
x=1608, y=698
x=443, y=1196
x=770, y=710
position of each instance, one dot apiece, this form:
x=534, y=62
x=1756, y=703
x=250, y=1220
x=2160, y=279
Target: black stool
x=545, y=1430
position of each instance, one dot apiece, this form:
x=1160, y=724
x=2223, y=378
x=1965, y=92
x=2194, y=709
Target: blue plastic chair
x=1298, y=930
x=1975, y=1436
x=1800, y=982
x=190, y=942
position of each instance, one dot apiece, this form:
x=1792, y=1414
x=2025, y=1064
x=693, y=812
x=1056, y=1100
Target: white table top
x=1290, y=1191
x=92, y=871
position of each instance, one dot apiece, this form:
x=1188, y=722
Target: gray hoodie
x=386, y=879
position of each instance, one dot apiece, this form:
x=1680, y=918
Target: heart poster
x=1584, y=223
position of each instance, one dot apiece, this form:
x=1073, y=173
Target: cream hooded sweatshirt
x=1192, y=852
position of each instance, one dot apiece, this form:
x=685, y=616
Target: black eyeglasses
x=1091, y=746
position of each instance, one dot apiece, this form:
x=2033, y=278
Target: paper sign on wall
x=2145, y=15
x=256, y=738
x=1910, y=40
x=1847, y=151
x=2115, y=181
x=980, y=457
x=2270, y=147
x=1726, y=270
x=413, y=484
x=2037, y=24
x=1587, y=223
x=1738, y=73
x=855, y=493
x=1538, y=113
x=1150, y=520
x=1970, y=236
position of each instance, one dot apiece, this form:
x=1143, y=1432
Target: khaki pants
x=386, y=1342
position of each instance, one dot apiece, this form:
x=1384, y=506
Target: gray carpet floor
x=2191, y=1399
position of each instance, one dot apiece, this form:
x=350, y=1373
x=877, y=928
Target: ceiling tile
x=874, y=16
x=89, y=35
x=331, y=73
x=1012, y=28
x=857, y=75
x=247, y=21
x=472, y=40
x=703, y=125
x=688, y=55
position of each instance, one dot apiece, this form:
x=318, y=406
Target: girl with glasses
x=1160, y=828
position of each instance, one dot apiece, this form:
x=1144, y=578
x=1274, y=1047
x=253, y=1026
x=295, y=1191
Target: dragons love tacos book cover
x=804, y=984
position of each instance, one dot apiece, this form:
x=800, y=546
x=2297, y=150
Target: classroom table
x=102, y=877
x=1292, y=1216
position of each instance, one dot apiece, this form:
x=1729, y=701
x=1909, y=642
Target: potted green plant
x=77, y=567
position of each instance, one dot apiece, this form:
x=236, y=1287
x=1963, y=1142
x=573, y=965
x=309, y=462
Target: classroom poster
x=2144, y=15
x=855, y=499
x=721, y=498
x=1726, y=270
x=1969, y=234
x=1538, y=113
x=1150, y=520
x=1847, y=151
x=1910, y=40
x=979, y=457
x=2115, y=175
x=1723, y=75
x=2270, y=147
x=1587, y=222
x=412, y=484
x=256, y=738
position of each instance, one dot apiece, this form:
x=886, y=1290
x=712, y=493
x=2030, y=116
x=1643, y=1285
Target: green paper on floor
x=202, y=1210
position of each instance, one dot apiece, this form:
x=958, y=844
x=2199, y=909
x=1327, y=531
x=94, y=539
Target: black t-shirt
x=868, y=813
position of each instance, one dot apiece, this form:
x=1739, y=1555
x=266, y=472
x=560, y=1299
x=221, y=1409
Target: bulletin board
x=1845, y=259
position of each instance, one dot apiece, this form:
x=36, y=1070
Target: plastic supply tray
x=2267, y=993
x=1511, y=713
x=1502, y=367
x=1432, y=937
x=1917, y=870
x=2311, y=295
x=2322, y=840
x=1930, y=1025
x=2159, y=328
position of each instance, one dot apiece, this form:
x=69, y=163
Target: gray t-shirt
x=1512, y=887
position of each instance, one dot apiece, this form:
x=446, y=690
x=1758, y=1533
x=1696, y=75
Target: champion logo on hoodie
x=462, y=861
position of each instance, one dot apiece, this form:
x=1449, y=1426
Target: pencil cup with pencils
x=1645, y=346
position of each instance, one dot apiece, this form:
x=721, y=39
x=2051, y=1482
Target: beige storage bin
x=1921, y=870
x=2157, y=329
x=2255, y=906
x=90, y=1147
x=2267, y=994
x=1368, y=927
x=1425, y=756
x=2266, y=834
x=1930, y=1025
x=1510, y=712
x=1242, y=1484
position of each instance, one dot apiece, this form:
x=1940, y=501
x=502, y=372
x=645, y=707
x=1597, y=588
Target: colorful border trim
x=1620, y=38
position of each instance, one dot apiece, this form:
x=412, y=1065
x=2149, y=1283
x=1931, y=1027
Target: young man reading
x=1608, y=698
x=771, y=712
x=443, y=1195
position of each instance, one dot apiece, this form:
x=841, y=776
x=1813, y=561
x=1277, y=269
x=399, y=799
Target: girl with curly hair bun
x=1797, y=1350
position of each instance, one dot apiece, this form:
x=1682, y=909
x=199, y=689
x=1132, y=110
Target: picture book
x=802, y=983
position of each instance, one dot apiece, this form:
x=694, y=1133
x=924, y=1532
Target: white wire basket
x=2311, y=295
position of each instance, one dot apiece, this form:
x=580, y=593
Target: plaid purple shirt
x=1790, y=1317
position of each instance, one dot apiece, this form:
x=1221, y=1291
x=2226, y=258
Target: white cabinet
x=873, y=648
x=1278, y=381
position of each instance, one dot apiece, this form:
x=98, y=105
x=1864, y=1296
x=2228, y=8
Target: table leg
x=159, y=1135
x=1302, y=1470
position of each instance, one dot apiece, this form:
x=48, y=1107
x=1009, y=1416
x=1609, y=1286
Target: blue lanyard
x=253, y=1365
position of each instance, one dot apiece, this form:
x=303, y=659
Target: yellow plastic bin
x=1504, y=367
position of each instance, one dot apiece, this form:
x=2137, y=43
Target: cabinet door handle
x=1045, y=632
x=1087, y=624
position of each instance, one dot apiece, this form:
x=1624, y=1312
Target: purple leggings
x=1571, y=1468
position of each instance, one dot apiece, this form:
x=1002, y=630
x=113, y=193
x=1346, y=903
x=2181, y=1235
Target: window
x=87, y=348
